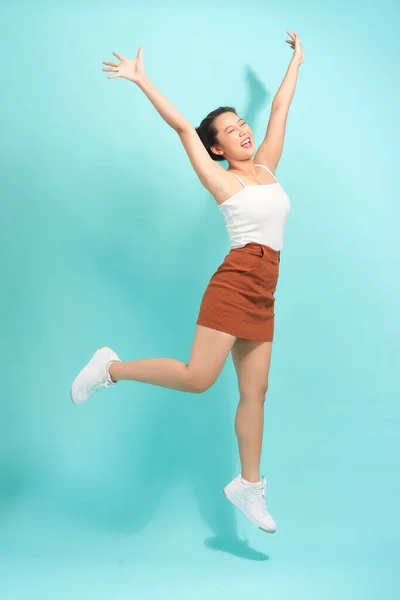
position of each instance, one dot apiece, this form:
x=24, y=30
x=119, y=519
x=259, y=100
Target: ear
x=215, y=150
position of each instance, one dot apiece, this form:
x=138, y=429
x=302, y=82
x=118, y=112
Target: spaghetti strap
x=237, y=177
x=267, y=170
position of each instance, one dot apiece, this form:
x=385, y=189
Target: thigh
x=209, y=353
x=252, y=361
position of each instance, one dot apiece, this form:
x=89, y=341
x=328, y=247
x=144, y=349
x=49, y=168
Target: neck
x=244, y=167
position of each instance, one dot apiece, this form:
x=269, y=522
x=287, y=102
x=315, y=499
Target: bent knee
x=199, y=383
x=200, y=386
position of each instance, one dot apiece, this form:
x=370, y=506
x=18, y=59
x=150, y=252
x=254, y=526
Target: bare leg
x=209, y=353
x=252, y=361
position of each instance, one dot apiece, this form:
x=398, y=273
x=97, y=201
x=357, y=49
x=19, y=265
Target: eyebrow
x=232, y=125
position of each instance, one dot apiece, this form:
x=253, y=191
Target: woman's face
x=233, y=132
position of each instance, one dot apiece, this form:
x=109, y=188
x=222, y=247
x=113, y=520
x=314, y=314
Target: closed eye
x=242, y=123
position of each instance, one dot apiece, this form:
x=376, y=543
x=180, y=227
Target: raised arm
x=270, y=150
x=211, y=174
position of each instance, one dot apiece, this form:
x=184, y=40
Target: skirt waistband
x=267, y=248
x=263, y=249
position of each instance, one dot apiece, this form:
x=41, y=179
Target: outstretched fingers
x=114, y=68
x=292, y=41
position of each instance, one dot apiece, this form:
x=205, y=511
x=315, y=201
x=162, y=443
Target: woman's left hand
x=298, y=55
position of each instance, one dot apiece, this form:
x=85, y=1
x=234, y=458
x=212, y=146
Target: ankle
x=250, y=478
x=111, y=371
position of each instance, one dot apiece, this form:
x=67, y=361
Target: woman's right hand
x=128, y=69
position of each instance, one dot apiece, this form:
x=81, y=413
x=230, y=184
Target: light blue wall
x=108, y=238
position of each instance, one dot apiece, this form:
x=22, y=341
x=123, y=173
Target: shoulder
x=212, y=175
x=266, y=165
x=227, y=186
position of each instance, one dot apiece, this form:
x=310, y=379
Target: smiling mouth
x=247, y=143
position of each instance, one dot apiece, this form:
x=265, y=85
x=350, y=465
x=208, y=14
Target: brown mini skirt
x=239, y=298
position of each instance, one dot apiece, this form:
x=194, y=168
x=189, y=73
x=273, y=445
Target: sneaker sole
x=238, y=502
x=70, y=391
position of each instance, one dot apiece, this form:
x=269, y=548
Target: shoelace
x=102, y=382
x=260, y=491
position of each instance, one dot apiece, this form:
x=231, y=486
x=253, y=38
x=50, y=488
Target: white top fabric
x=257, y=214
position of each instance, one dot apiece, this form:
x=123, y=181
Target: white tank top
x=257, y=214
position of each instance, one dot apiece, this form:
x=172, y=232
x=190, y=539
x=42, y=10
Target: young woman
x=237, y=310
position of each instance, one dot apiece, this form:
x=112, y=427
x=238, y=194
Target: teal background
x=108, y=238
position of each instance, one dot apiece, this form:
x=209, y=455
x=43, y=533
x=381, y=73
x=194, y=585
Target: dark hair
x=208, y=133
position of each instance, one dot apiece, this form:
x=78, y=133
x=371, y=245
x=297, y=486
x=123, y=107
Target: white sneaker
x=94, y=375
x=251, y=500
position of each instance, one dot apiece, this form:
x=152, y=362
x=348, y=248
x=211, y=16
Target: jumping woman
x=237, y=309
